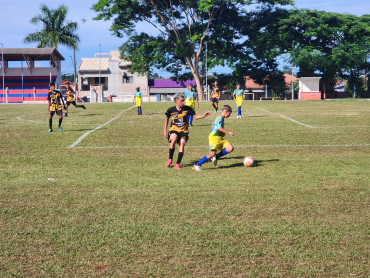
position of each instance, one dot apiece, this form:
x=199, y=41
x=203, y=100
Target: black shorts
x=214, y=99
x=58, y=112
x=71, y=102
x=180, y=135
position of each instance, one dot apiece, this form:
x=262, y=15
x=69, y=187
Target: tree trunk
x=199, y=86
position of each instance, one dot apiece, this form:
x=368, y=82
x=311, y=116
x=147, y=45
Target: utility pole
x=74, y=67
x=99, y=66
x=2, y=66
x=207, y=98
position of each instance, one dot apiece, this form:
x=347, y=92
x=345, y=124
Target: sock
x=239, y=110
x=214, y=106
x=138, y=111
x=171, y=153
x=141, y=111
x=221, y=153
x=190, y=119
x=204, y=159
x=51, y=123
x=60, y=122
x=179, y=157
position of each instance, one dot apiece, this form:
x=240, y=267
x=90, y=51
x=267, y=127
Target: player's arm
x=64, y=105
x=225, y=131
x=165, y=134
x=234, y=96
x=197, y=117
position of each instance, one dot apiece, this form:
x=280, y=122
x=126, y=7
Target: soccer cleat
x=168, y=163
x=83, y=106
x=197, y=168
x=50, y=130
x=177, y=166
x=65, y=115
x=214, y=160
x=60, y=128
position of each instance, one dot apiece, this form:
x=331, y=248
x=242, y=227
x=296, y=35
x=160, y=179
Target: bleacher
x=35, y=88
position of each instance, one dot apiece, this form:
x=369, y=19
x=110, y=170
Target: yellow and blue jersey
x=138, y=97
x=215, y=138
x=219, y=122
x=238, y=96
x=190, y=98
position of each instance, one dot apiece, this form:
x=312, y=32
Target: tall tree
x=56, y=30
x=183, y=28
x=326, y=44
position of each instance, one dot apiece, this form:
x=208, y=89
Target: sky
x=16, y=14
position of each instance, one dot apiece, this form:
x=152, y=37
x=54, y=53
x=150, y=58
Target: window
x=102, y=80
x=127, y=79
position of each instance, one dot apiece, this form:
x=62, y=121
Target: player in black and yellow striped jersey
x=178, y=132
x=55, y=101
x=70, y=94
x=215, y=96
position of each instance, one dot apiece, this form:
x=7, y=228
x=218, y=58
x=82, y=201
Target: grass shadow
x=257, y=163
x=89, y=115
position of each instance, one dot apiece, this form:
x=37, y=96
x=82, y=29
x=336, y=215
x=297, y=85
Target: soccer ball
x=248, y=161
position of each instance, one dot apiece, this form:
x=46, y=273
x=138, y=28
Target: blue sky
x=15, y=16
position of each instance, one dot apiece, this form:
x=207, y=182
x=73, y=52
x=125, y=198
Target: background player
x=55, y=107
x=178, y=131
x=138, y=97
x=216, y=140
x=70, y=94
x=215, y=96
x=190, y=97
x=238, y=96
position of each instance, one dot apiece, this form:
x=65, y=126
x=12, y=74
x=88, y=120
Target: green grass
x=114, y=210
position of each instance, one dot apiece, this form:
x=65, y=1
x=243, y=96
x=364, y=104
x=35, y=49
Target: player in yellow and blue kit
x=190, y=97
x=216, y=139
x=138, y=97
x=238, y=96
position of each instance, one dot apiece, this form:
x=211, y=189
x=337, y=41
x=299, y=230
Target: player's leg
x=66, y=111
x=181, y=151
x=225, y=147
x=172, y=139
x=204, y=159
x=51, y=121
x=216, y=104
x=60, y=113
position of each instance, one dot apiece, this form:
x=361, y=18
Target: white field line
x=237, y=146
x=78, y=141
x=309, y=126
x=20, y=118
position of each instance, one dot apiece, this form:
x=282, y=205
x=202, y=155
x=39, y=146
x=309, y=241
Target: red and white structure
x=309, y=88
x=28, y=82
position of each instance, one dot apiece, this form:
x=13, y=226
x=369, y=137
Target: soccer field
x=96, y=200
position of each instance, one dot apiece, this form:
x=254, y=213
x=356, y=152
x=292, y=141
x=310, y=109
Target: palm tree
x=56, y=29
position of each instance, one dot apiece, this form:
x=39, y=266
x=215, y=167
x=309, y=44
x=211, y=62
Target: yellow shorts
x=239, y=102
x=217, y=142
x=138, y=103
x=191, y=104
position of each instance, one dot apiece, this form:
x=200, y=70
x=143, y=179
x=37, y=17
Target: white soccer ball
x=248, y=161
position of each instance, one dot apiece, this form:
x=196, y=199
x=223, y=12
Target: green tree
x=183, y=29
x=55, y=30
x=325, y=44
